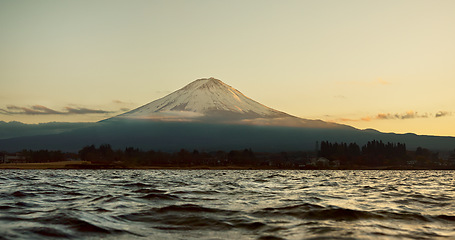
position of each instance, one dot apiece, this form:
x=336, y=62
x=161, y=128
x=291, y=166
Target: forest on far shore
x=373, y=155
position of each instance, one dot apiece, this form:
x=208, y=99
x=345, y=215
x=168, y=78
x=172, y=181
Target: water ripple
x=225, y=204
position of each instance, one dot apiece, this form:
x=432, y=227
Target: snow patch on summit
x=206, y=97
x=209, y=100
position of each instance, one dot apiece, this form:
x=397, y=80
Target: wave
x=226, y=204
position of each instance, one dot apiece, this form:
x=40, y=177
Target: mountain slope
x=210, y=100
x=203, y=97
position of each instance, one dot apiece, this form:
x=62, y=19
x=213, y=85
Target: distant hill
x=172, y=136
x=208, y=114
x=18, y=129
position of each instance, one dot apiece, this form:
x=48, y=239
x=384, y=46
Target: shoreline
x=68, y=165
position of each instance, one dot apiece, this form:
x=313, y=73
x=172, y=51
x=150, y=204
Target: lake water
x=226, y=204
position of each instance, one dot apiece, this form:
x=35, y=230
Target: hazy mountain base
x=172, y=136
x=17, y=129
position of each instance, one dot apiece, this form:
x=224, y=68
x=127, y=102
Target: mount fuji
x=208, y=97
x=210, y=100
x=209, y=115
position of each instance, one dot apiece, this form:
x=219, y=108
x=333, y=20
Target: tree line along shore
x=328, y=155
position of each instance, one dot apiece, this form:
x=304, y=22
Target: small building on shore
x=13, y=158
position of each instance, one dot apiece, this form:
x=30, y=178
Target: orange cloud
x=345, y=120
x=383, y=116
x=388, y=116
x=366, y=119
x=382, y=82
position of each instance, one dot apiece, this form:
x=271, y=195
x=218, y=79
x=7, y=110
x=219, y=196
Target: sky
x=387, y=65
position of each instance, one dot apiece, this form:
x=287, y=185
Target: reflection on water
x=225, y=204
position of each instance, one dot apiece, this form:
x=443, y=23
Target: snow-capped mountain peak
x=212, y=101
x=207, y=97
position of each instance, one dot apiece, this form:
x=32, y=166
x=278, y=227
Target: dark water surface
x=226, y=204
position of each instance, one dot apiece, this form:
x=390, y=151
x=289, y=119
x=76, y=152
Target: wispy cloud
x=363, y=119
x=340, y=96
x=34, y=110
x=391, y=116
x=442, y=114
x=120, y=102
x=70, y=110
x=42, y=110
x=124, y=106
x=407, y=115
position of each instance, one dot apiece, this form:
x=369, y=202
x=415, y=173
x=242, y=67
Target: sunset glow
x=385, y=65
